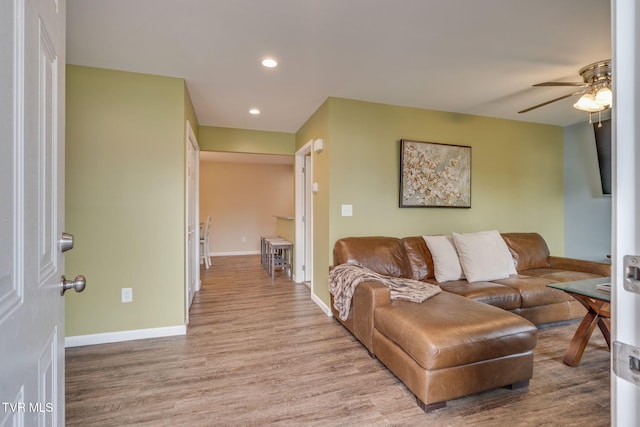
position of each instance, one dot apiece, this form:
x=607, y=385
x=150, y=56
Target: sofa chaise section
x=445, y=347
x=450, y=346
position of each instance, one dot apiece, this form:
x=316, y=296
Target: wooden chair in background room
x=204, y=242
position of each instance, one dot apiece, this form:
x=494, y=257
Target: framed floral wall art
x=434, y=175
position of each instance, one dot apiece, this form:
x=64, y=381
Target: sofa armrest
x=366, y=298
x=593, y=267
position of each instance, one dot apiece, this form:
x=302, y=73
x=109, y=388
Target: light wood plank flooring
x=260, y=352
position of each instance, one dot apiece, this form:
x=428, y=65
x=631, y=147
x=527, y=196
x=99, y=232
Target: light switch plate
x=347, y=210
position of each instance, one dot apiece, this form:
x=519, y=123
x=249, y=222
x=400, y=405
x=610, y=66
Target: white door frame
x=625, y=393
x=308, y=225
x=303, y=222
x=192, y=221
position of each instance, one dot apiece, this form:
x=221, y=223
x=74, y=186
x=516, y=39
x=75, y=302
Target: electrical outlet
x=244, y=239
x=127, y=294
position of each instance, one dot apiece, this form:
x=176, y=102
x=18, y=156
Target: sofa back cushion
x=384, y=255
x=529, y=250
x=419, y=257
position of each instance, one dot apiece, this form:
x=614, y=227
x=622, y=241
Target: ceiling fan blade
x=561, y=84
x=553, y=100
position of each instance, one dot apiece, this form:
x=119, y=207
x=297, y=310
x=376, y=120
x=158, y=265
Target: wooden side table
x=598, y=305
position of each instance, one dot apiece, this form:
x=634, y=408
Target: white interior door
x=304, y=214
x=308, y=223
x=625, y=389
x=32, y=75
x=192, y=258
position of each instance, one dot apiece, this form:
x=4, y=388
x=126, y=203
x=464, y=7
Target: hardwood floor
x=260, y=352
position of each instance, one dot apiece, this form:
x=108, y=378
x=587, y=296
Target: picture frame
x=434, y=175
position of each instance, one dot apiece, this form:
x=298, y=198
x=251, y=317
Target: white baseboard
x=321, y=304
x=111, y=337
x=235, y=253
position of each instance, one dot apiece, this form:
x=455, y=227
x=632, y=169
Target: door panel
x=32, y=49
x=11, y=161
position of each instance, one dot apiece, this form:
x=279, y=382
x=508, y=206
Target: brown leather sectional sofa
x=471, y=337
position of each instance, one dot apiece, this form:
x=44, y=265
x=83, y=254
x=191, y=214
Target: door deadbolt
x=66, y=242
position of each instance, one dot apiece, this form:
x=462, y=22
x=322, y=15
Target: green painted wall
x=125, y=185
x=190, y=114
x=125, y=199
x=517, y=175
x=213, y=138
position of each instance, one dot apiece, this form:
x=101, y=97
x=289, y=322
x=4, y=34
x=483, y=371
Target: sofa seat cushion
x=448, y=330
x=559, y=275
x=490, y=293
x=534, y=290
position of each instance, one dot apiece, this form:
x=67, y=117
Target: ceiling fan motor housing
x=599, y=95
x=597, y=74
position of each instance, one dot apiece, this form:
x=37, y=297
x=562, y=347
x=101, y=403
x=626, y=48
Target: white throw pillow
x=446, y=264
x=484, y=256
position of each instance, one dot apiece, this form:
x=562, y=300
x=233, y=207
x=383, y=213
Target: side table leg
x=580, y=339
x=605, y=327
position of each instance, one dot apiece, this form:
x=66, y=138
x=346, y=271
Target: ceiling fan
x=595, y=89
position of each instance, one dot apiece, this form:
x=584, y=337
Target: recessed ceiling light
x=269, y=63
x=254, y=111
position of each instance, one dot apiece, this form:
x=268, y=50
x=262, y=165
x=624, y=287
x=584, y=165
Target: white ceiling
x=467, y=56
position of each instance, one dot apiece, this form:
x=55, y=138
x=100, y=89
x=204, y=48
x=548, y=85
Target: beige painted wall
x=517, y=175
x=242, y=199
x=125, y=199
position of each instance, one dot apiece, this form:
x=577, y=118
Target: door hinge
x=626, y=362
x=303, y=267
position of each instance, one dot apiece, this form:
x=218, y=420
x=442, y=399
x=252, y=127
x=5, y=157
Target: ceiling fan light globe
x=587, y=102
x=604, y=97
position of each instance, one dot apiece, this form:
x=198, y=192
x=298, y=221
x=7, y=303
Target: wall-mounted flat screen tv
x=603, y=146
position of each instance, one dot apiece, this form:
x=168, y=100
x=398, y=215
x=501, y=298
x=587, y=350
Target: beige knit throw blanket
x=344, y=279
